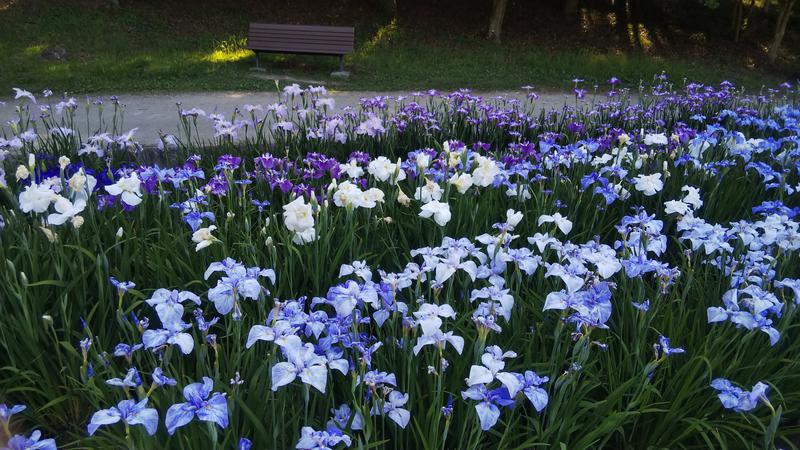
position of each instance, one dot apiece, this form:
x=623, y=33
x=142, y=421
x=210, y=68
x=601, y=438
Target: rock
x=343, y=74
x=54, y=53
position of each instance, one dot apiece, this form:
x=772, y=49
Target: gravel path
x=151, y=113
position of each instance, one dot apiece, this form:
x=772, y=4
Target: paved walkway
x=151, y=113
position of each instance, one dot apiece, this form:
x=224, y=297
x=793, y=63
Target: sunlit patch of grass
x=57, y=69
x=229, y=50
x=223, y=56
x=383, y=35
x=33, y=50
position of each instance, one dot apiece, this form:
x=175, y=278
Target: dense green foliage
x=609, y=388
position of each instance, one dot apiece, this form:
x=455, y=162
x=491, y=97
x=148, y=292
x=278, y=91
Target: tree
x=571, y=10
x=388, y=6
x=784, y=14
x=496, y=21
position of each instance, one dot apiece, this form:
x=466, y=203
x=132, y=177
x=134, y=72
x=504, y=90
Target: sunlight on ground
x=7, y=4
x=384, y=34
x=225, y=56
x=229, y=50
x=585, y=20
x=57, y=69
x=638, y=35
x=644, y=37
x=33, y=50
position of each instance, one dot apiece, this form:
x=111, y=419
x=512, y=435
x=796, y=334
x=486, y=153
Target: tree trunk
x=388, y=6
x=747, y=22
x=571, y=10
x=737, y=20
x=496, y=22
x=784, y=14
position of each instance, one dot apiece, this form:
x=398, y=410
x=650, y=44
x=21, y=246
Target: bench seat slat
x=300, y=35
x=264, y=45
x=299, y=38
x=310, y=28
x=256, y=45
x=302, y=31
x=309, y=39
x=293, y=48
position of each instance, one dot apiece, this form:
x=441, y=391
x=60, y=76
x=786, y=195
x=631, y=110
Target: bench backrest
x=311, y=39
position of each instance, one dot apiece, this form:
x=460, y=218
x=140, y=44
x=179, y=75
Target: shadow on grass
x=135, y=51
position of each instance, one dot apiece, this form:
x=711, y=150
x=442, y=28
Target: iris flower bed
x=434, y=271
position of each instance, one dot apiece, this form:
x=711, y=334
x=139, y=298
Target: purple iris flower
x=260, y=205
x=228, y=162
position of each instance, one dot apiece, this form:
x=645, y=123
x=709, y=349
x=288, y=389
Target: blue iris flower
x=592, y=306
x=169, y=305
x=736, y=398
x=131, y=380
x=302, y=362
x=239, y=282
x=195, y=219
x=128, y=411
x=6, y=412
x=123, y=349
x=392, y=408
x=490, y=402
x=159, y=379
x=664, y=350
x=643, y=306
x=198, y=405
x=172, y=335
x=122, y=286
x=20, y=442
x=311, y=439
x=531, y=386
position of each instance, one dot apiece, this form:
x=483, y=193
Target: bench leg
x=258, y=60
x=341, y=63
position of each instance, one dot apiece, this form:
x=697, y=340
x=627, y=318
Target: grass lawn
x=145, y=49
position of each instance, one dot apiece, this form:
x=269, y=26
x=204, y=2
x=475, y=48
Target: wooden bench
x=300, y=39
